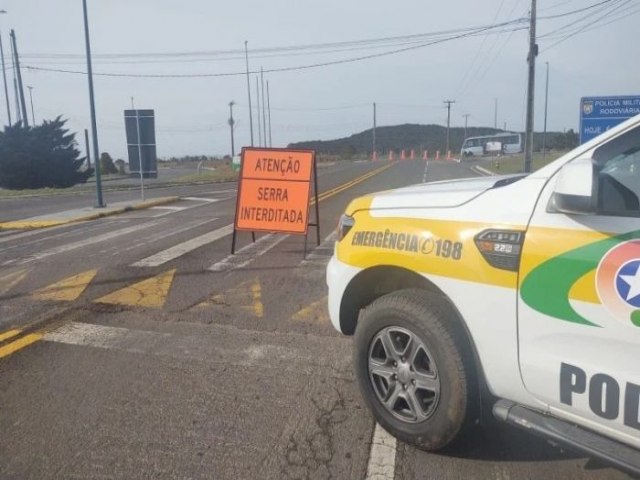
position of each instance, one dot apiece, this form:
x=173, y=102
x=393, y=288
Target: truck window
x=618, y=165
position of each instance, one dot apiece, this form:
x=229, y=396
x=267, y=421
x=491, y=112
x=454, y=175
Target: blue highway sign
x=599, y=114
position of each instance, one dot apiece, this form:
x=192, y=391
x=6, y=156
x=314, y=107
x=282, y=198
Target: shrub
x=40, y=156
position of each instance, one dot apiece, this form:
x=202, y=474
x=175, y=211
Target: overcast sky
x=316, y=103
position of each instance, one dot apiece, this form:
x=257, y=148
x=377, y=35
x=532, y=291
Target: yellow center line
x=19, y=344
x=351, y=183
x=9, y=334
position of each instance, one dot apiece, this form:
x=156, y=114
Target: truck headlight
x=345, y=224
x=501, y=248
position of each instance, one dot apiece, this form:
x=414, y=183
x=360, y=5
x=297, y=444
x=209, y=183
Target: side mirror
x=575, y=189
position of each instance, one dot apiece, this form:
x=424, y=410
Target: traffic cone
x=448, y=154
x=425, y=155
x=413, y=154
x=402, y=155
x=374, y=156
x=390, y=155
x=437, y=154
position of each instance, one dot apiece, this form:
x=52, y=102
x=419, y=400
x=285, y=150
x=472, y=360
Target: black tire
x=442, y=416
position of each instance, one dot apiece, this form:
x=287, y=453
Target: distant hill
x=417, y=137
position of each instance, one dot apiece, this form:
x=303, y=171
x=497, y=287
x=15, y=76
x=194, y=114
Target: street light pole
x=4, y=77
x=92, y=105
x=86, y=142
x=246, y=57
x=33, y=115
x=258, y=96
x=16, y=66
x=231, y=122
x=15, y=87
x=269, y=114
x=264, y=108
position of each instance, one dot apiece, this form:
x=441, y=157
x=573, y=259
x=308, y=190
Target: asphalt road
x=150, y=352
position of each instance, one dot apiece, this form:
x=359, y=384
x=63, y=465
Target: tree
x=41, y=156
x=565, y=141
x=106, y=164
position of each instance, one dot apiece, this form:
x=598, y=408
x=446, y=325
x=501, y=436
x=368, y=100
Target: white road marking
x=117, y=250
x=215, y=192
x=248, y=253
x=382, y=460
x=75, y=229
x=250, y=352
x=168, y=207
x=482, y=171
x=202, y=199
x=183, y=248
x=166, y=210
x=83, y=243
x=320, y=255
x=9, y=236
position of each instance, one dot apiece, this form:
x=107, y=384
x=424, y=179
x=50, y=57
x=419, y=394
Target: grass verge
x=515, y=163
x=223, y=173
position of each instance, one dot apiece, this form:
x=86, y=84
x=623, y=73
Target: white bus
x=500, y=143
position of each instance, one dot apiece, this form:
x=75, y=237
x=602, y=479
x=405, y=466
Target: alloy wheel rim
x=403, y=374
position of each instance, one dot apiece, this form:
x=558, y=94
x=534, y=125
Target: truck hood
x=443, y=194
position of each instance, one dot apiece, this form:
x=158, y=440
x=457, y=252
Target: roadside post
x=140, y=155
x=274, y=193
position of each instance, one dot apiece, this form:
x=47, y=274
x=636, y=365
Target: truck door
x=579, y=298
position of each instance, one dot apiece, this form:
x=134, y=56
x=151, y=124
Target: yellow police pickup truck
x=516, y=294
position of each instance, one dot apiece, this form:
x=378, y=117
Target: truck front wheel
x=413, y=368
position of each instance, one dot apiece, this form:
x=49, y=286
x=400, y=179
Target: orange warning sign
x=274, y=190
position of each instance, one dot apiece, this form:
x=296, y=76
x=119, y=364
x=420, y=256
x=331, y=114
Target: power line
x=588, y=16
x=312, y=109
x=585, y=27
x=210, y=60
x=489, y=64
x=579, y=10
x=477, y=55
x=415, y=38
x=285, y=69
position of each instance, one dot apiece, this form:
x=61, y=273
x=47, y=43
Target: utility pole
x=495, y=114
x=231, y=122
x=533, y=52
x=4, y=77
x=92, y=105
x=16, y=66
x=448, y=102
x=246, y=57
x=264, y=107
x=258, y=95
x=15, y=87
x=86, y=142
x=269, y=113
x=33, y=115
x=546, y=105
x=466, y=121
x=374, y=150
